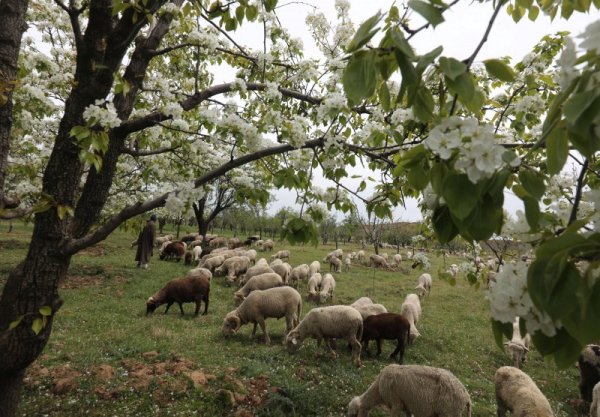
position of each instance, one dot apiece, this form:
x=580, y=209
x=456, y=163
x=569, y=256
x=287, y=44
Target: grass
x=103, y=322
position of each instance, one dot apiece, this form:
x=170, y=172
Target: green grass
x=103, y=322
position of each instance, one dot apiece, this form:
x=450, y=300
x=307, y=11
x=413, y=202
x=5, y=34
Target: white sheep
x=360, y=255
x=275, y=261
x=258, y=282
x=282, y=254
x=411, y=309
x=422, y=391
x=234, y=266
x=334, y=322
x=327, y=288
x=335, y=264
x=250, y=254
x=453, y=270
x=377, y=261
x=366, y=307
x=283, y=269
x=314, y=286
x=423, y=285
x=518, y=346
x=298, y=274
x=384, y=255
x=160, y=241
x=362, y=301
x=338, y=253
x=516, y=392
x=212, y=263
x=199, y=272
x=262, y=304
x=595, y=408
x=268, y=245
x=347, y=263
x=397, y=259
x=314, y=267
x=262, y=261
x=254, y=271
x=197, y=253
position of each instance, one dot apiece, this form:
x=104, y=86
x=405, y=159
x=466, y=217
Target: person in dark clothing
x=145, y=243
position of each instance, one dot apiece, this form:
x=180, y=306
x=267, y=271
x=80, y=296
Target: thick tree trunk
x=10, y=391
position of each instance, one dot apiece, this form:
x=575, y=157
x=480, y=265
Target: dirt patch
x=72, y=282
x=97, y=250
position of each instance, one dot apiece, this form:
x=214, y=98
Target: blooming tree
x=108, y=109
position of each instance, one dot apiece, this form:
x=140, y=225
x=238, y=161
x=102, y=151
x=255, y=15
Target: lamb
x=283, y=270
x=423, y=285
x=517, y=393
x=377, y=261
x=347, y=264
x=314, y=286
x=422, y=391
x=333, y=322
x=282, y=254
x=411, y=309
x=335, y=264
x=589, y=370
x=389, y=326
x=595, y=408
x=253, y=271
x=327, y=288
x=298, y=273
x=213, y=263
x=197, y=252
x=261, y=304
x=181, y=290
x=518, y=346
x=397, y=259
x=360, y=255
x=174, y=250
x=314, y=267
x=258, y=282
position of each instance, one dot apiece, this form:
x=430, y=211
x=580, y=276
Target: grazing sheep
x=213, y=263
x=262, y=261
x=197, y=252
x=338, y=253
x=347, y=264
x=422, y=391
x=181, y=290
x=234, y=266
x=268, y=245
x=595, y=408
x=234, y=242
x=254, y=271
x=314, y=286
x=282, y=254
x=333, y=322
x=190, y=237
x=217, y=242
x=423, y=285
x=159, y=241
x=360, y=255
x=411, y=309
x=366, y=307
x=284, y=270
x=187, y=260
x=258, y=282
x=314, y=267
x=335, y=264
x=362, y=301
x=397, y=259
x=518, y=346
x=195, y=244
x=516, y=392
x=173, y=250
x=275, y=261
x=251, y=254
x=377, y=261
x=199, y=272
x=327, y=287
x=162, y=246
x=388, y=326
x=261, y=304
x=384, y=256
x=298, y=274
x=589, y=370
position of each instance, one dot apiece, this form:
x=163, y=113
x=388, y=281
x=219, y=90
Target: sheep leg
x=399, y=348
x=501, y=408
x=198, y=302
x=263, y=327
x=365, y=346
x=328, y=344
x=356, y=347
x=254, y=329
x=205, y=305
x=168, y=306
x=378, y=346
x=180, y=307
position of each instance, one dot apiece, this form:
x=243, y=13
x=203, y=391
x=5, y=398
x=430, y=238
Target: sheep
x=261, y=304
x=397, y=259
x=174, y=250
x=338, y=253
x=162, y=246
x=360, y=255
x=298, y=273
x=589, y=370
x=217, y=242
x=327, y=288
x=251, y=254
x=181, y=290
x=517, y=393
x=159, y=241
x=423, y=285
x=389, y=326
x=234, y=242
x=197, y=252
x=283, y=270
x=453, y=270
x=190, y=237
x=253, y=271
x=366, y=307
x=422, y=391
x=258, y=282
x=234, y=266
x=595, y=408
x=267, y=245
x=199, y=272
x=213, y=263
x=335, y=264
x=352, y=255
x=275, y=261
x=377, y=261
x=333, y=322
x=188, y=258
x=518, y=346
x=314, y=267
x=347, y=264
x=411, y=309
x=384, y=256
x=262, y=261
x=314, y=286
x=282, y=254
x=195, y=243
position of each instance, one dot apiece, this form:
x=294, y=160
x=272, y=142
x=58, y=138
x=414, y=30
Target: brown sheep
x=389, y=326
x=181, y=290
x=188, y=258
x=174, y=250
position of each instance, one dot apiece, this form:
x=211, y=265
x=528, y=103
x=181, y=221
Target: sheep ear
x=238, y=323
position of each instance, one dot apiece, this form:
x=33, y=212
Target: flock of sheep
x=270, y=290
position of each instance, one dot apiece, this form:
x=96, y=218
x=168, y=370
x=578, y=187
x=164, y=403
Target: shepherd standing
x=145, y=243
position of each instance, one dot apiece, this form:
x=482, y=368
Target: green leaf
x=45, y=310
x=423, y=105
x=270, y=5
x=532, y=212
x=437, y=174
x=463, y=86
x=427, y=59
x=577, y=104
x=499, y=69
x=364, y=33
x=417, y=177
x=451, y=67
x=384, y=96
x=460, y=194
x=557, y=146
x=568, y=350
x=534, y=11
x=443, y=226
x=37, y=325
x=15, y=322
x=500, y=330
x=533, y=182
x=430, y=13
x=360, y=76
x=240, y=13
x=251, y=13
x=402, y=44
x=483, y=222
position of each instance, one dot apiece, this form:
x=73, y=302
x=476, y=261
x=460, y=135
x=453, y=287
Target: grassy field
x=105, y=357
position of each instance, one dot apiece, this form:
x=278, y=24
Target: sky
x=459, y=35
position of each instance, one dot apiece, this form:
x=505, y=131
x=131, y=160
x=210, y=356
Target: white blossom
x=102, y=113
x=591, y=37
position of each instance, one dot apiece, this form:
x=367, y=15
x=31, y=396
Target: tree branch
x=578, y=192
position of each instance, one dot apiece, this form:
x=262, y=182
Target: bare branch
x=135, y=152
x=578, y=192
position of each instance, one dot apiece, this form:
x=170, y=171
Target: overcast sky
x=459, y=35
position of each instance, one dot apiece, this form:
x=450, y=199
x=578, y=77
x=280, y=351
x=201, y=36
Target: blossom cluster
x=509, y=298
x=422, y=259
x=102, y=112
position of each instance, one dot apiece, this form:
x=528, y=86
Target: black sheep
x=589, y=370
x=388, y=326
x=181, y=290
